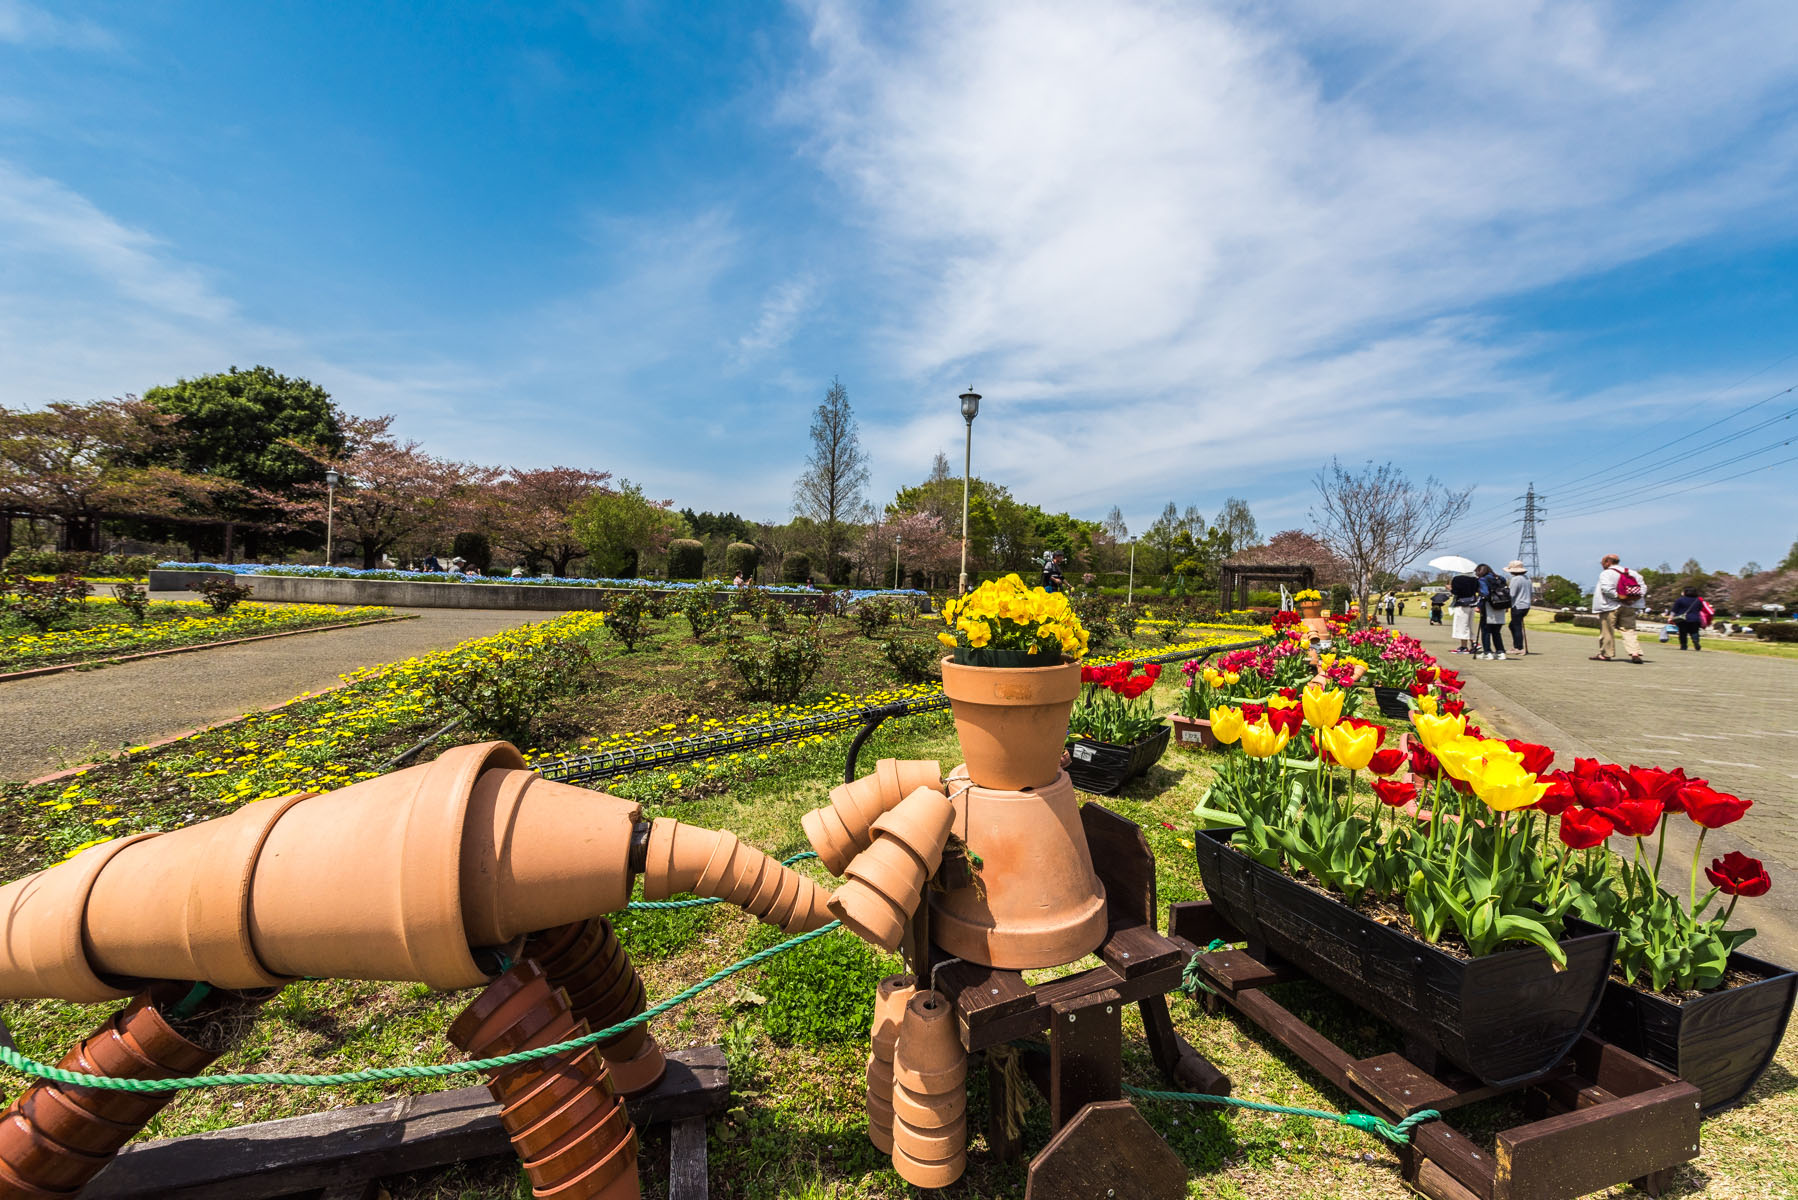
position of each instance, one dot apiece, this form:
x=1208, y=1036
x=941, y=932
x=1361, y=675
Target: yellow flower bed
x=113, y=639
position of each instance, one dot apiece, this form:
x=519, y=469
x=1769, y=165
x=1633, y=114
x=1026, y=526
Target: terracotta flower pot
x=1311, y=609
x=603, y=989
x=929, y=1059
x=886, y=881
x=930, y=1072
x=928, y=1112
x=684, y=858
x=1193, y=733
x=1039, y=903
x=1012, y=721
x=845, y=827
x=890, y=999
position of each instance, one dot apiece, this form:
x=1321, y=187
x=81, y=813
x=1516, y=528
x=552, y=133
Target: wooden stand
x=1082, y=1074
x=1601, y=1118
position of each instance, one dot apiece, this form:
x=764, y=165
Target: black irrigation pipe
x=583, y=768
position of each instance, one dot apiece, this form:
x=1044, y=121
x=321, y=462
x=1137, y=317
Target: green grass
x=1650, y=632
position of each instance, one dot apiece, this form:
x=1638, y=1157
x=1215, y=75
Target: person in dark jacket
x=1466, y=592
x=1492, y=617
x=1688, y=617
x=1053, y=579
x=1437, y=600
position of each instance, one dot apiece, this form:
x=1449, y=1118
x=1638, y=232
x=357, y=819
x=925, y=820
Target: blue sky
x=1186, y=251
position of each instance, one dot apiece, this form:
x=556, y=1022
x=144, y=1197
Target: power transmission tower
x=1526, y=545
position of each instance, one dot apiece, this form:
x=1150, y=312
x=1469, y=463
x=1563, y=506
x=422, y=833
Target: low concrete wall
x=308, y=589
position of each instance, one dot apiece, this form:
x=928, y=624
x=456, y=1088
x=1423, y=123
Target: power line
x=1526, y=545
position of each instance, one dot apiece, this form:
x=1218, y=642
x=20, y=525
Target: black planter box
x=1721, y=1042
x=1103, y=768
x=1391, y=702
x=1505, y=1018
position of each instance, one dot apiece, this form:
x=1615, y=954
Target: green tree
x=618, y=527
x=1790, y=563
x=1238, y=522
x=829, y=491
x=1558, y=591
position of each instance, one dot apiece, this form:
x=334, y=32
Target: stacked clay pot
x=890, y=999
x=56, y=1137
x=844, y=828
x=587, y=962
x=930, y=1095
x=1012, y=721
x=561, y=1113
x=886, y=881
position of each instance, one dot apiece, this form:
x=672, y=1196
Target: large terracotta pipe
x=398, y=877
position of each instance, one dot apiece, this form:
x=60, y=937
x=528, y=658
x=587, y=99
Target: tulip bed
x=105, y=631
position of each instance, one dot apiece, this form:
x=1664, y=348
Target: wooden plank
x=1198, y=922
x=1132, y=950
x=1001, y=1143
x=1616, y=1070
x=1123, y=862
x=1304, y=1041
x=370, y=1141
x=1086, y=1055
x=1438, y=1184
x=1402, y=1087
x=686, y=1160
x=1107, y=1151
x=1593, y=1148
x=1454, y=1155
x=1235, y=971
x=1088, y=983
x=982, y=995
x=1182, y=1065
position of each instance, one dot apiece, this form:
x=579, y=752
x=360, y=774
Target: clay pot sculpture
x=1037, y=902
x=564, y=1119
x=890, y=999
x=844, y=828
x=1012, y=721
x=683, y=858
x=55, y=1137
x=930, y=1099
x=886, y=881
x=587, y=961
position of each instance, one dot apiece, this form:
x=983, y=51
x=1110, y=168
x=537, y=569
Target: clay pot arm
x=707, y=862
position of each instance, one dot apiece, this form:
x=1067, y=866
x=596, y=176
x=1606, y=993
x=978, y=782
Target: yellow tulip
x=1323, y=706
x=1504, y=785
x=1351, y=745
x=1426, y=703
x=1213, y=677
x=1232, y=677
x=1281, y=702
x=1261, y=740
x=1433, y=730
x=1227, y=724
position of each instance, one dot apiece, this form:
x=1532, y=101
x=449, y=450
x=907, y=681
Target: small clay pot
x=881, y=1136
x=880, y=1112
x=924, y=1174
x=14, y=1188
x=513, y=1085
x=929, y=1059
x=922, y=1111
x=844, y=827
x=890, y=999
x=685, y=858
x=31, y=1155
x=1012, y=721
x=880, y=1075
x=642, y=1071
x=892, y=870
x=44, y=952
x=868, y=914
x=579, y=1111
x=547, y=946
x=931, y=1145
x=554, y=1087
x=579, y=1148
x=613, y=1177
x=499, y=1004
x=921, y=823
x=54, y=1108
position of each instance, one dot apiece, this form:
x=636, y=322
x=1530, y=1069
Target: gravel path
x=79, y=716
x=1730, y=718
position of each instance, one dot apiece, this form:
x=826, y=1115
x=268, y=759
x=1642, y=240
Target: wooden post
x=1086, y=1054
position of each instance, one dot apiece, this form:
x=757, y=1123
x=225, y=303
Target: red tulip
x=1392, y=792
x=1423, y=763
x=1635, y=817
x=1389, y=761
x=1582, y=828
x=1711, y=808
x=1362, y=723
x=1597, y=791
x=1453, y=708
x=1288, y=719
x=1735, y=874
x=1152, y=670
x=1586, y=767
x=1287, y=693
x=1560, y=795
x=1663, y=787
x=1536, y=758
x=1449, y=681
x=1253, y=712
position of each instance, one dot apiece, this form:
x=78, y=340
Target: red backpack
x=1629, y=588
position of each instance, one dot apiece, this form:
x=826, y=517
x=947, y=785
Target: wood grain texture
x=1107, y=1152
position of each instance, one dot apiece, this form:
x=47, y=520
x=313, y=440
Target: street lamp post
x=331, y=478
x=1130, y=592
x=970, y=408
x=895, y=562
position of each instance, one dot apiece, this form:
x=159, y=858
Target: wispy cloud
x=780, y=315
x=27, y=25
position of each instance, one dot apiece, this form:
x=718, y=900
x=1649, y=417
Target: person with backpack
x=1618, y=596
x=1690, y=613
x=1522, y=596
x=1465, y=592
x=1495, y=605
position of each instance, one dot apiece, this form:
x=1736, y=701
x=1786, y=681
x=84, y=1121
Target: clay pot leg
x=54, y=1137
x=634, y=1058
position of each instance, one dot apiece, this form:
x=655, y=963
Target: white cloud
x=786, y=305
x=25, y=25
x=1154, y=231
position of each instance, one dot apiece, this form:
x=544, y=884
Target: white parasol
x=1453, y=562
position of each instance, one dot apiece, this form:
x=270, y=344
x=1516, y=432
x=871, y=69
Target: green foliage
x=796, y=568
x=872, y=615
x=1095, y=613
x=705, y=608
x=1340, y=597
x=778, y=667
x=77, y=562
x=914, y=661
x=1790, y=562
x=686, y=559
x=654, y=933
x=1557, y=591
x=1777, y=631
x=502, y=696
x=134, y=598
x=45, y=603
x=708, y=524
x=742, y=558
x=625, y=616
x=822, y=993
x=477, y=549
x=239, y=425
x=221, y=594
x=617, y=527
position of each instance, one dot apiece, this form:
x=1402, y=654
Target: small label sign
x=1085, y=753
x=1191, y=735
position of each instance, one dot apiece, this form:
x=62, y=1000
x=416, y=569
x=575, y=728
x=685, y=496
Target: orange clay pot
x=1039, y=903
x=683, y=858
x=929, y=1174
x=587, y=961
x=1012, y=721
x=929, y=1059
x=890, y=999
x=930, y=1071
x=845, y=827
x=41, y=953
x=886, y=880
x=931, y=1145
x=928, y=1112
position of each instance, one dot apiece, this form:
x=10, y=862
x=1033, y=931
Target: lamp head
x=332, y=478
x=970, y=405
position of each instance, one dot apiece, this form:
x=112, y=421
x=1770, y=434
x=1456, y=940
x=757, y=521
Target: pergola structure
x=1234, y=579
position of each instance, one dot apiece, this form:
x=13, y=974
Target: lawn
x=795, y=1029
x=1649, y=631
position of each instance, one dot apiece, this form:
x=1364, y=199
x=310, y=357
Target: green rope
x=1191, y=980
x=1396, y=1132
x=700, y=902
x=28, y=1066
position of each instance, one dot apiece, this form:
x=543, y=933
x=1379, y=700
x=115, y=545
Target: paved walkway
x=1729, y=718
x=79, y=716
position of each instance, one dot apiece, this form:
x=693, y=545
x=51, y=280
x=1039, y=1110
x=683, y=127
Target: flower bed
x=168, y=625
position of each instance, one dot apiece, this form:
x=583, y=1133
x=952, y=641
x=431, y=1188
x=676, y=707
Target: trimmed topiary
x=742, y=558
x=686, y=559
x=796, y=568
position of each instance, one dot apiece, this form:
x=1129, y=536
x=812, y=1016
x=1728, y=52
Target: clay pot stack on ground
x=886, y=881
x=930, y=1095
x=894, y=994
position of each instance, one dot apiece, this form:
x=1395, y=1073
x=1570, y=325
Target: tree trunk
x=371, y=554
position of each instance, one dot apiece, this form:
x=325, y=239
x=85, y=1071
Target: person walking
x=1495, y=602
x=1522, y=596
x=1391, y=610
x=1401, y=606
x=1053, y=579
x=1437, y=600
x=1465, y=590
x=1688, y=616
x=1616, y=598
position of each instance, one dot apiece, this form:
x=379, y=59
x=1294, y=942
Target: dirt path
x=76, y=717
x=1729, y=718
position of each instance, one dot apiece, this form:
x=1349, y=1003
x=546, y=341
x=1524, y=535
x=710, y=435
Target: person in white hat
x=1522, y=593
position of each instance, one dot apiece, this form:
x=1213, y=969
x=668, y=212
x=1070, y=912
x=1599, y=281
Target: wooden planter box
x=1192, y=733
x=1721, y=1042
x=1103, y=768
x=1505, y=1018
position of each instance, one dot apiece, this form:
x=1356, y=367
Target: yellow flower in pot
x=1227, y=724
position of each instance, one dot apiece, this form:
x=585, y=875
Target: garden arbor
x=1234, y=577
